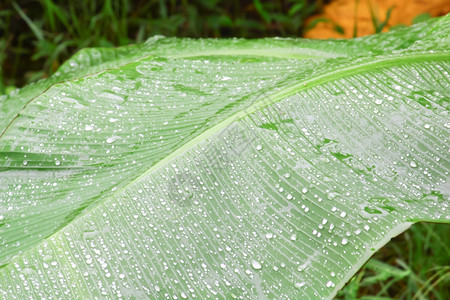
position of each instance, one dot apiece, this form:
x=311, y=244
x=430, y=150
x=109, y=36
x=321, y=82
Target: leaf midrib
x=371, y=64
x=303, y=85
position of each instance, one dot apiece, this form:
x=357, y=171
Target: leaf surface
x=270, y=168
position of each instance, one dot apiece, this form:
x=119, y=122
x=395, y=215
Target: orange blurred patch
x=343, y=12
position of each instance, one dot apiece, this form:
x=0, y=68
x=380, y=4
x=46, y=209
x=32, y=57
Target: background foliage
x=37, y=36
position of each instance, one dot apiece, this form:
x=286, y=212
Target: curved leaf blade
x=282, y=188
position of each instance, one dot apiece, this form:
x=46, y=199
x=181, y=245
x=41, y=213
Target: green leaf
x=296, y=8
x=223, y=168
x=421, y=18
x=262, y=12
x=383, y=271
x=34, y=27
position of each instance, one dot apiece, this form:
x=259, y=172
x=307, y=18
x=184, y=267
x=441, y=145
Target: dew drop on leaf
x=299, y=284
x=256, y=265
x=111, y=140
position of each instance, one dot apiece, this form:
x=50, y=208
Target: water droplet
x=294, y=237
x=113, y=97
x=57, y=162
x=299, y=284
x=427, y=126
x=344, y=241
x=256, y=265
x=378, y=101
x=332, y=195
x=304, y=190
x=73, y=64
x=259, y=147
x=27, y=271
x=287, y=175
x=367, y=227
x=413, y=164
x=111, y=139
x=88, y=127
x=25, y=162
x=112, y=120
x=343, y=214
x=289, y=196
x=269, y=235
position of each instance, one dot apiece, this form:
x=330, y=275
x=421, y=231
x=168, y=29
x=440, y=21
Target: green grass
x=36, y=36
x=414, y=265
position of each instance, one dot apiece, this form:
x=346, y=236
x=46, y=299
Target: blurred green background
x=37, y=36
